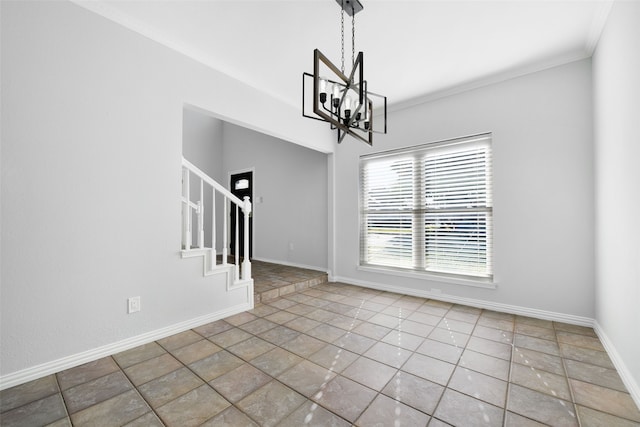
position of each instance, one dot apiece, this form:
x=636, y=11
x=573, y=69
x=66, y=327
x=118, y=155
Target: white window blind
x=429, y=208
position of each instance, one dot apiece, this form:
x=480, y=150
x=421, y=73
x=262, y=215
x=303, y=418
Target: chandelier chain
x=342, y=34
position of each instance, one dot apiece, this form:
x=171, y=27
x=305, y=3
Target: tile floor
x=340, y=355
x=275, y=280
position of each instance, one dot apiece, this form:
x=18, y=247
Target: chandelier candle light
x=344, y=101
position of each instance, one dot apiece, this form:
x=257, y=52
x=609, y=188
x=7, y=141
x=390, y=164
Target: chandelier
x=344, y=101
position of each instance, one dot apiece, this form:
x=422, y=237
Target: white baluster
x=186, y=210
x=201, y=216
x=236, y=253
x=246, y=262
x=213, y=227
x=225, y=232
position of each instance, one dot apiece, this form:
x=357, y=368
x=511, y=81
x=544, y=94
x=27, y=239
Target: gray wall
x=91, y=146
x=617, y=128
x=290, y=196
x=543, y=188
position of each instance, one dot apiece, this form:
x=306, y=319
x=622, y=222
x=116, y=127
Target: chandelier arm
x=353, y=38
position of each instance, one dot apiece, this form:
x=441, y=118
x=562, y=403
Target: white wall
x=543, y=189
x=91, y=148
x=290, y=196
x=616, y=67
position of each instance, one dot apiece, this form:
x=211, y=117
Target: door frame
x=252, y=199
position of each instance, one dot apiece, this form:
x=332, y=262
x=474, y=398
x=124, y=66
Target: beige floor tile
x=251, y=348
x=194, y=408
x=389, y=412
x=304, y=345
x=537, y=344
x=87, y=394
x=534, y=322
x=276, y=361
x=151, y=369
x=279, y=335
x=504, y=325
x=196, y=351
x=538, y=360
x=414, y=391
x=429, y=368
x=86, y=372
x=576, y=329
x=456, y=325
x=302, y=324
x=28, y=392
x=150, y=419
x=494, y=334
x=489, y=365
x=461, y=410
x=490, y=348
x=260, y=405
x=307, y=378
x=535, y=331
x=371, y=330
x=213, y=328
x=579, y=340
x=416, y=328
x=541, y=407
x=605, y=400
x=138, y=354
x=403, y=339
x=594, y=374
x=333, y=357
x=454, y=338
x=479, y=386
x=230, y=337
x=355, y=343
x=592, y=418
x=327, y=333
x=388, y=354
x=594, y=357
x=370, y=373
x=313, y=415
x=230, y=417
x=179, y=340
x=542, y=381
x=117, y=411
x=240, y=318
x=333, y=398
x=168, y=387
x=238, y=383
x=215, y=365
x=37, y=413
x=439, y=350
x=258, y=326
x=515, y=420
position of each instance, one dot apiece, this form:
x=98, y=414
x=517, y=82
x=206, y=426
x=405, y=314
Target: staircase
x=195, y=184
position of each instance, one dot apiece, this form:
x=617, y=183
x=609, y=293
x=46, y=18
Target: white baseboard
x=42, y=370
x=631, y=383
x=489, y=305
x=290, y=264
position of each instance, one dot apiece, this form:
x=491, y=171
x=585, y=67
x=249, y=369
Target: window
x=429, y=208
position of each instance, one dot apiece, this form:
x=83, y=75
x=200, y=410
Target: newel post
x=246, y=263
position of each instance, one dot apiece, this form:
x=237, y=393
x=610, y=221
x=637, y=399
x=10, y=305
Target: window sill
x=477, y=283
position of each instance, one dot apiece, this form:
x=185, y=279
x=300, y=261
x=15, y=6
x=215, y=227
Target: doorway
x=241, y=185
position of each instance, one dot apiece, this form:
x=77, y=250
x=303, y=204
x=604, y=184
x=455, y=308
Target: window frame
x=418, y=267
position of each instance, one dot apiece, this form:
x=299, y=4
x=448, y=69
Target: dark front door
x=241, y=185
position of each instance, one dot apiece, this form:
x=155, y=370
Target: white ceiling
x=412, y=49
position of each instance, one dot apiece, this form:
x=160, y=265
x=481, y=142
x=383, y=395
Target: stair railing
x=190, y=206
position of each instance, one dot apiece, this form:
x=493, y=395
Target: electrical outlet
x=134, y=304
